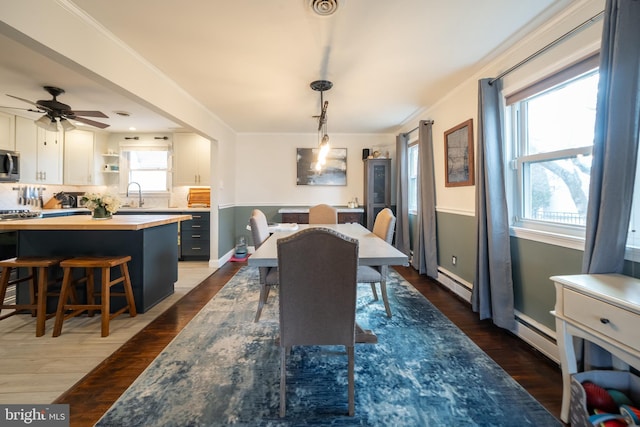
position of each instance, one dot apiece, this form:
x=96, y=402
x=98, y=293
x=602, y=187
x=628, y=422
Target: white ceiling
x=250, y=62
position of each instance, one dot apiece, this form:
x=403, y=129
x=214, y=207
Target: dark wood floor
x=95, y=393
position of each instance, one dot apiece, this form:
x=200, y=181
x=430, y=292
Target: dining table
x=372, y=251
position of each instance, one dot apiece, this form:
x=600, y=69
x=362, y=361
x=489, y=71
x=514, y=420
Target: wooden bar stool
x=39, y=283
x=105, y=263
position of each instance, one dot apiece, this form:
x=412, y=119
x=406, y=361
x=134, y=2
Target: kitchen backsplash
x=10, y=195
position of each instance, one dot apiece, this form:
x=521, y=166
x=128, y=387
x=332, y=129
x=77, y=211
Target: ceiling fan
x=54, y=109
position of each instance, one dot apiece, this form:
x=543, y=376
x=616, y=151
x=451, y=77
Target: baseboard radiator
x=529, y=330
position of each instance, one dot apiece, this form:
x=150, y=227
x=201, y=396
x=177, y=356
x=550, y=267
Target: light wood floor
x=38, y=370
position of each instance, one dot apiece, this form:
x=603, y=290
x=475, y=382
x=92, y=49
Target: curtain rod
x=589, y=21
x=417, y=127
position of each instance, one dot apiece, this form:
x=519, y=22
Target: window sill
x=557, y=239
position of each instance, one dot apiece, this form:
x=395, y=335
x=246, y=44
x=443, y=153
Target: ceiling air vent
x=324, y=7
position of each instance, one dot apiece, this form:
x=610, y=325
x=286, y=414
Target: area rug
x=223, y=369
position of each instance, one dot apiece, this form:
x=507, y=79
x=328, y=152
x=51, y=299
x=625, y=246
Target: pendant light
x=323, y=137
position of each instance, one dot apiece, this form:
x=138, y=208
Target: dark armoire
x=377, y=188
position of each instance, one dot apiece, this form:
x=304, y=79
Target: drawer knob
x=604, y=320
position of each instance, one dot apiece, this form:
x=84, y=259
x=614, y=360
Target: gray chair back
x=317, y=268
x=323, y=214
x=259, y=227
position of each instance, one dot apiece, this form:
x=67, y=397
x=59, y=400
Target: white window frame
x=125, y=168
x=560, y=234
x=413, y=210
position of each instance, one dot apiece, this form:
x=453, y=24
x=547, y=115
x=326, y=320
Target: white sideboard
x=600, y=308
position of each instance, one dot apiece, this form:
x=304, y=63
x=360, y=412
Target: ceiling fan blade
x=25, y=100
x=88, y=113
x=24, y=109
x=88, y=122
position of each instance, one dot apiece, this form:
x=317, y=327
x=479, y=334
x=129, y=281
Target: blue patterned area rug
x=223, y=369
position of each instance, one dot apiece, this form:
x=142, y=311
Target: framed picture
x=458, y=155
x=334, y=171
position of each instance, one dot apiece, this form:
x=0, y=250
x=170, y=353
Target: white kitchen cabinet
x=7, y=131
x=41, y=153
x=78, y=157
x=191, y=159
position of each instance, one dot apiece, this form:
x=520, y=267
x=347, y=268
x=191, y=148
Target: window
x=552, y=134
x=148, y=165
x=412, y=155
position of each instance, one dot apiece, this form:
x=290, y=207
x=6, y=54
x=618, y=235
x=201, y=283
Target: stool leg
x=128, y=290
x=66, y=283
x=91, y=299
x=32, y=290
x=41, y=310
x=106, y=300
x=4, y=284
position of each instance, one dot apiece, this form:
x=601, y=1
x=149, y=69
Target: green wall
x=533, y=263
x=456, y=237
x=226, y=230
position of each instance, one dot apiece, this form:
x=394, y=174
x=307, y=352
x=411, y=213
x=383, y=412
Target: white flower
x=108, y=201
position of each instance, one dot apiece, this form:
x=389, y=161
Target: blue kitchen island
x=151, y=240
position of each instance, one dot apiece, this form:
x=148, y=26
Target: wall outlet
x=454, y=259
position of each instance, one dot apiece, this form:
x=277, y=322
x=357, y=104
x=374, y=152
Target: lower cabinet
x=194, y=237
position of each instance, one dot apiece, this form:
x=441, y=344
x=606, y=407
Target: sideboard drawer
x=616, y=323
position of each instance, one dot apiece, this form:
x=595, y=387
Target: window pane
x=149, y=180
x=557, y=190
x=148, y=160
x=413, y=181
x=562, y=117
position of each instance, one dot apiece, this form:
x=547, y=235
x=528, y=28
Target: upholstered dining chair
x=383, y=227
x=323, y=214
x=268, y=275
x=318, y=268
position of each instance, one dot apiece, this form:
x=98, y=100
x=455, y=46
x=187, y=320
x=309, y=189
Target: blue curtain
x=425, y=250
x=615, y=146
x=402, y=199
x=492, y=294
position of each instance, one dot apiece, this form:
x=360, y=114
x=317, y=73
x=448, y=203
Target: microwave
x=9, y=166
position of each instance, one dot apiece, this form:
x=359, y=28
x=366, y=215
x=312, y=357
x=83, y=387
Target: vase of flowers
x=102, y=206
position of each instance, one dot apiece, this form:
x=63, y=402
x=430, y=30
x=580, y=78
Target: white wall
x=266, y=168
x=462, y=103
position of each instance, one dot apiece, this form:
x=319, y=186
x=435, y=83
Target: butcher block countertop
x=86, y=222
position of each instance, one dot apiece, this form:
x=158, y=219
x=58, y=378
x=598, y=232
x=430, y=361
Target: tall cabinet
x=377, y=188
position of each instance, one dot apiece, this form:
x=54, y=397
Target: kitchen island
x=151, y=240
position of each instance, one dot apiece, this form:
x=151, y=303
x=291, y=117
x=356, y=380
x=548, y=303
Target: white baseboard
x=529, y=330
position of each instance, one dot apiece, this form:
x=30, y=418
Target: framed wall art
x=458, y=155
x=334, y=171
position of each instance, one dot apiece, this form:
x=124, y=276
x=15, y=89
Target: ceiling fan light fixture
x=47, y=123
x=66, y=125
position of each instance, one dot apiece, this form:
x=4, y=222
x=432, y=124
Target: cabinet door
x=50, y=156
x=377, y=186
x=7, y=131
x=78, y=157
x=191, y=159
x=26, y=137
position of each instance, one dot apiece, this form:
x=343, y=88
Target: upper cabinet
x=78, y=158
x=191, y=159
x=7, y=132
x=41, y=152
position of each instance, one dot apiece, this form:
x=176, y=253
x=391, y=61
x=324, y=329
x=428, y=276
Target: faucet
x=140, y=201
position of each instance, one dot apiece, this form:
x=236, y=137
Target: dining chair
x=383, y=227
x=323, y=214
x=268, y=275
x=318, y=269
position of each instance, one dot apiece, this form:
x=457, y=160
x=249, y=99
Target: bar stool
x=105, y=263
x=39, y=283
